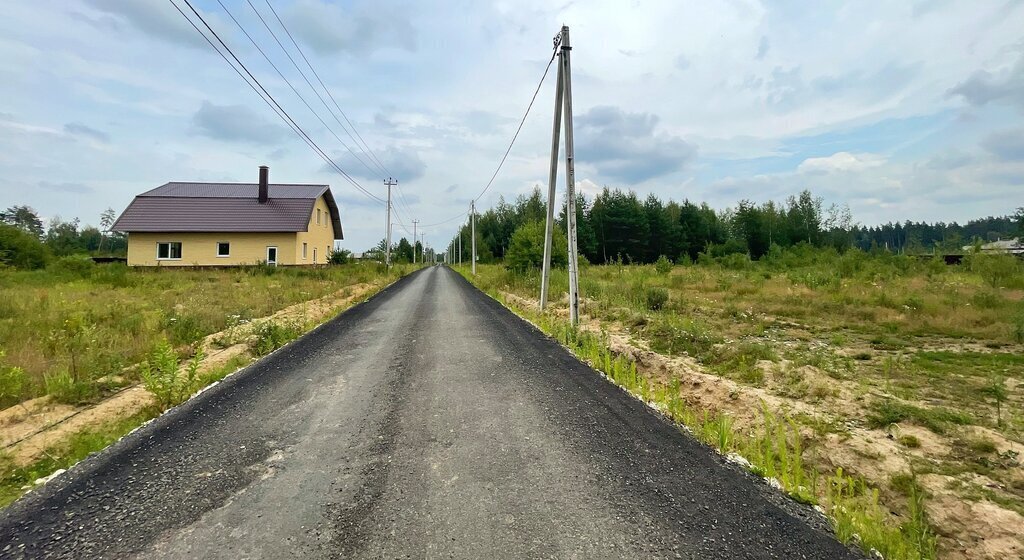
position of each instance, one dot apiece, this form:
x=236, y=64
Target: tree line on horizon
x=619, y=226
x=27, y=242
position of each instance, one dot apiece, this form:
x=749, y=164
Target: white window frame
x=314, y=255
x=169, y=252
x=304, y=251
x=277, y=255
x=219, y=243
x=317, y=216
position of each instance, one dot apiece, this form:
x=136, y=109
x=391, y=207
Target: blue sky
x=902, y=110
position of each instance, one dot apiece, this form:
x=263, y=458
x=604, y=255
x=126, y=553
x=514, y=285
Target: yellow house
x=231, y=224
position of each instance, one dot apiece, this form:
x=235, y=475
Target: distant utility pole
x=387, y=238
x=414, y=222
x=472, y=221
x=460, y=246
x=563, y=103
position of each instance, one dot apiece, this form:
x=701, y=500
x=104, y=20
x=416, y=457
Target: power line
x=328, y=91
x=402, y=199
x=301, y=73
x=520, y=128
x=510, y=144
x=290, y=85
x=265, y=95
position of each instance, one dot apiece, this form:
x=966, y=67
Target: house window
x=317, y=216
x=168, y=250
x=314, y=255
x=303, y=251
x=223, y=249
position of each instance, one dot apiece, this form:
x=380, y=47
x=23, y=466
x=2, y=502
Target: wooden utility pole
x=563, y=105
x=387, y=236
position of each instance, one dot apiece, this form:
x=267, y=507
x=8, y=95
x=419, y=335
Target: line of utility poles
x=563, y=104
x=387, y=236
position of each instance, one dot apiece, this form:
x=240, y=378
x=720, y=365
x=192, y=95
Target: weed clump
x=271, y=335
x=656, y=298
x=163, y=378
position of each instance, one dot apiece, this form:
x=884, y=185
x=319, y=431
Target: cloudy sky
x=903, y=110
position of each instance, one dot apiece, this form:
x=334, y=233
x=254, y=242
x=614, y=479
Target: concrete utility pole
x=570, y=183
x=472, y=231
x=460, y=246
x=549, y=227
x=414, y=222
x=387, y=237
x=563, y=104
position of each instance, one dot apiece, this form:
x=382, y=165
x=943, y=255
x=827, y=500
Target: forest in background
x=619, y=226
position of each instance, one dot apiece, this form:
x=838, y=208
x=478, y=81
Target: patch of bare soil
x=28, y=429
x=977, y=529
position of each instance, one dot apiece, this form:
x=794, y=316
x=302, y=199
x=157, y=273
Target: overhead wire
x=402, y=199
x=328, y=91
x=290, y=85
x=515, y=136
x=303, y=75
x=264, y=94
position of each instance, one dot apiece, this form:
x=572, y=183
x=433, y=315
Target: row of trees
x=26, y=242
x=618, y=225
x=401, y=252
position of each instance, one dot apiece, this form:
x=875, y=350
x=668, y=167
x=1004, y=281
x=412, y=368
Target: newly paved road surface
x=428, y=422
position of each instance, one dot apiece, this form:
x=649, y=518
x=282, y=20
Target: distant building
x=231, y=224
x=1011, y=246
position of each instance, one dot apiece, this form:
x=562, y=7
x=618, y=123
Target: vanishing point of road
x=427, y=422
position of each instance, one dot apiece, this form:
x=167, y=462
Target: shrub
x=13, y=382
x=21, y=249
x=663, y=265
x=269, y=336
x=77, y=265
x=341, y=256
x=160, y=375
x=994, y=269
x=163, y=378
x=526, y=249
x=656, y=298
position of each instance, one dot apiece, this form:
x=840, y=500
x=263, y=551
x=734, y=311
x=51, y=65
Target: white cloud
x=840, y=162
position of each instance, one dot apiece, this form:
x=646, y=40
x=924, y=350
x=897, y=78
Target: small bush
x=656, y=298
x=909, y=441
x=160, y=375
x=663, y=265
x=77, y=265
x=163, y=378
x=341, y=256
x=987, y=299
x=269, y=336
x=13, y=383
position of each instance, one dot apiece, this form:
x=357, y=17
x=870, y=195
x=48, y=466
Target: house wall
x=319, y=236
x=200, y=249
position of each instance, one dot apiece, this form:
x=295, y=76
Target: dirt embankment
x=27, y=430
x=967, y=529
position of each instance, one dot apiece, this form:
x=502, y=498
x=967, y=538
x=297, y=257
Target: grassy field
x=885, y=388
x=74, y=332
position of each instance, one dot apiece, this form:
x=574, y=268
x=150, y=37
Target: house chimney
x=264, y=187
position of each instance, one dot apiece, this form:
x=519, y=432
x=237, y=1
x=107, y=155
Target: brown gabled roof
x=222, y=207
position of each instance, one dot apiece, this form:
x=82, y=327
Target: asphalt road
x=428, y=422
